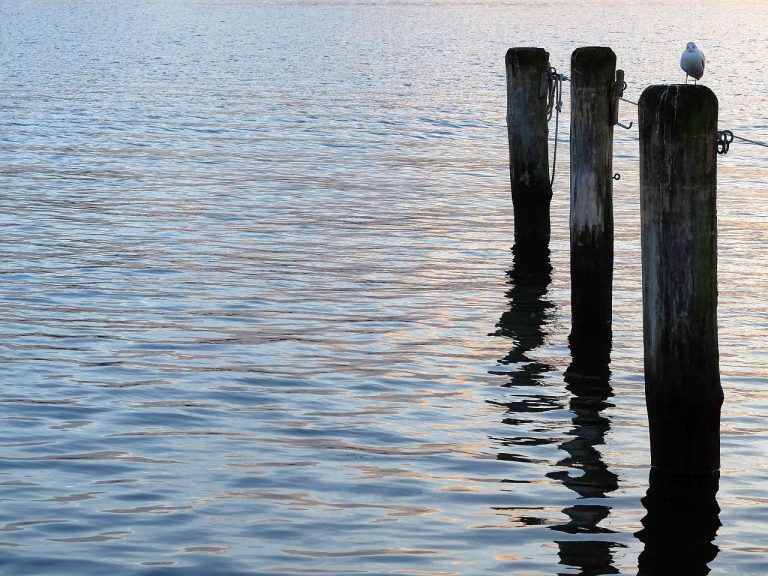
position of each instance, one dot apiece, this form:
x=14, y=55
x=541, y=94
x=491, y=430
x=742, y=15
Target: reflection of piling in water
x=528, y=310
x=590, y=426
x=592, y=557
x=587, y=379
x=523, y=323
x=680, y=525
x=593, y=479
x=590, y=347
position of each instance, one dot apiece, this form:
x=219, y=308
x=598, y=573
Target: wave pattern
x=261, y=315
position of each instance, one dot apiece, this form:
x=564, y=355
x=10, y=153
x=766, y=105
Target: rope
x=724, y=137
x=554, y=89
x=628, y=101
x=555, y=104
x=554, y=101
x=750, y=141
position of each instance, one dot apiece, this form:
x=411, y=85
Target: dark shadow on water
x=680, y=525
x=588, y=547
x=588, y=380
x=528, y=312
x=682, y=515
x=523, y=324
x=592, y=557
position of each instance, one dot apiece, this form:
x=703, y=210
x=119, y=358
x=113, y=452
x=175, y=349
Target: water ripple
x=258, y=289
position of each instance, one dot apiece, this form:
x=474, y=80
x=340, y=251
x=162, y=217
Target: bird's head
x=690, y=47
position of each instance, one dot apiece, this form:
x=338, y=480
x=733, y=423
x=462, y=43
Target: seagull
x=692, y=62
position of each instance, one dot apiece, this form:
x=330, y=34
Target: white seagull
x=692, y=62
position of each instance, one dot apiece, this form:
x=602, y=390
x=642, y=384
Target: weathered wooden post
x=678, y=172
x=593, y=71
x=527, y=81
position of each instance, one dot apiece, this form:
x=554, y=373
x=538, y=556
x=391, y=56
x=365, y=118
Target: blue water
x=260, y=315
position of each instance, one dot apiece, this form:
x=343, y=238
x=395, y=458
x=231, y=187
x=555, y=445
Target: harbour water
x=260, y=310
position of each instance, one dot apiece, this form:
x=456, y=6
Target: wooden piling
x=527, y=73
x=593, y=72
x=678, y=172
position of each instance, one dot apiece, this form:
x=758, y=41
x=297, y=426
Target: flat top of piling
x=678, y=95
x=592, y=60
x=527, y=54
x=593, y=51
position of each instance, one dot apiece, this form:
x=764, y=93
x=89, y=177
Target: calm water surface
x=261, y=314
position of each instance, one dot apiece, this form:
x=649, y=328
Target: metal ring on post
x=724, y=139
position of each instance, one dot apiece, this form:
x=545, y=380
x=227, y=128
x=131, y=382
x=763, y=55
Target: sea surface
x=259, y=308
